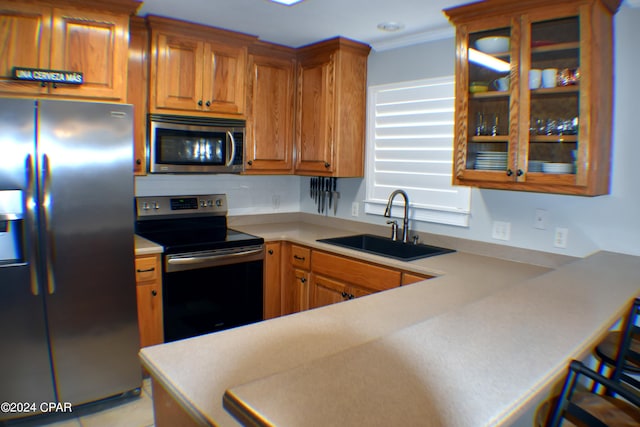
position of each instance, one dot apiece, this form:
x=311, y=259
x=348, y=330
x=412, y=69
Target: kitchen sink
x=386, y=247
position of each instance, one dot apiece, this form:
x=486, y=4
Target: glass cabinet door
x=552, y=87
x=488, y=116
x=536, y=114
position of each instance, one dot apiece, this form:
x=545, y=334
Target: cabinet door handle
x=520, y=172
x=200, y=103
x=138, y=162
x=148, y=270
x=303, y=280
x=344, y=294
x=509, y=172
x=208, y=104
x=250, y=162
x=154, y=292
x=327, y=164
x=270, y=251
x=351, y=296
x=298, y=258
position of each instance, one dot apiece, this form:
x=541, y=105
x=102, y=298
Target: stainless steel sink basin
x=386, y=247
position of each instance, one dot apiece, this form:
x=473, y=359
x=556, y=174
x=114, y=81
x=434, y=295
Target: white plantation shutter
x=410, y=146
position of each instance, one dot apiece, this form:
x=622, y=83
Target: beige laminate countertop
x=501, y=328
x=146, y=247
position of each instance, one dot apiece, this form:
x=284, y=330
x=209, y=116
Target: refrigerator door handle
x=32, y=228
x=46, y=201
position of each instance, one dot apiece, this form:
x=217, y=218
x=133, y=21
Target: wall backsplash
x=245, y=194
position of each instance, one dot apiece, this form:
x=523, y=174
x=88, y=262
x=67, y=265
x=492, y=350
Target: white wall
x=601, y=223
x=245, y=194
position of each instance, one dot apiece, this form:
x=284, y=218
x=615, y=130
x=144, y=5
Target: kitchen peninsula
x=492, y=333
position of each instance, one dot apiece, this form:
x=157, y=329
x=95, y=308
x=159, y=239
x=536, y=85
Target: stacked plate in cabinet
x=536, y=165
x=491, y=160
x=557, y=168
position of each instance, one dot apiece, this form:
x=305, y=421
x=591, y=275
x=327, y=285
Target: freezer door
x=25, y=368
x=86, y=182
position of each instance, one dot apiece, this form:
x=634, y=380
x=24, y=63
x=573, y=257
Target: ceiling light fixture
x=287, y=2
x=390, y=26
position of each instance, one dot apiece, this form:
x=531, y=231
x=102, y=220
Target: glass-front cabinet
x=534, y=85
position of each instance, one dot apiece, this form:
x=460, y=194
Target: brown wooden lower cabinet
x=272, y=280
x=149, y=295
x=327, y=291
x=311, y=278
x=295, y=278
x=358, y=273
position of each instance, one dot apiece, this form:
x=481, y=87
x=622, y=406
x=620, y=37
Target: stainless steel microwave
x=181, y=144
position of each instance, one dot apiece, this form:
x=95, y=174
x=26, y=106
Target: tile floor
x=129, y=412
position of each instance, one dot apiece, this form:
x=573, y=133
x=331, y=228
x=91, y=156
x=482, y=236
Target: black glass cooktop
x=194, y=234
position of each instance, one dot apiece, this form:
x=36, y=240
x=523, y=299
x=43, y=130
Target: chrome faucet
x=405, y=220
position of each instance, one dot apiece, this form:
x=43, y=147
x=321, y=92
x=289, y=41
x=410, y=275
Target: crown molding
x=416, y=38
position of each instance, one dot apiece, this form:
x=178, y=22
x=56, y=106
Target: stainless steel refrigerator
x=68, y=319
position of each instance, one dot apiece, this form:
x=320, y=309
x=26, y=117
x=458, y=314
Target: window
x=410, y=146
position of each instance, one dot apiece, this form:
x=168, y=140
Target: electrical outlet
x=355, y=209
x=541, y=219
x=501, y=230
x=561, y=237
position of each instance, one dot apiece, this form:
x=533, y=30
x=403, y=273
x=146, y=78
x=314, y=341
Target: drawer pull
x=299, y=258
x=148, y=270
x=154, y=292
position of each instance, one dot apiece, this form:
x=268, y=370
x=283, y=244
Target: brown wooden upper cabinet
x=534, y=87
x=84, y=36
x=270, y=104
x=196, y=69
x=331, y=108
x=138, y=89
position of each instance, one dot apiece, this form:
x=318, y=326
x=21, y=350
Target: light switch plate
x=501, y=230
x=560, y=238
x=355, y=209
x=541, y=219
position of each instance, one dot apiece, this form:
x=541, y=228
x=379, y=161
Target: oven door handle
x=203, y=259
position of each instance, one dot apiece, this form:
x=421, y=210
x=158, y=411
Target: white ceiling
x=315, y=20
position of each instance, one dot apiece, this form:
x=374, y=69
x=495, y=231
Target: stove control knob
x=156, y=206
x=218, y=202
x=203, y=203
x=145, y=206
x=210, y=203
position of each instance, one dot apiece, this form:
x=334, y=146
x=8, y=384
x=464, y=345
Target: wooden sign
x=47, y=76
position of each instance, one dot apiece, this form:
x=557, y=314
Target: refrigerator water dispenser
x=11, y=222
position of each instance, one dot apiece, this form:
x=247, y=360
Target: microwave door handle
x=233, y=149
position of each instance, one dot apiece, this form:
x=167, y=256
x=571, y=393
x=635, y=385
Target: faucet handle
x=394, y=229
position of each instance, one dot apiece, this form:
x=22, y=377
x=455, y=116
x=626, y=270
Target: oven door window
x=183, y=147
x=206, y=300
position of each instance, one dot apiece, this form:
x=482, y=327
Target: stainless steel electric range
x=211, y=274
